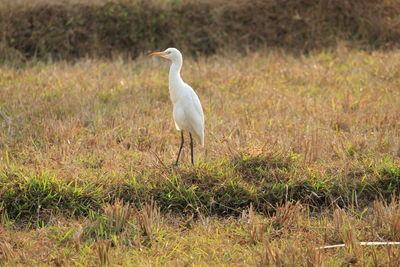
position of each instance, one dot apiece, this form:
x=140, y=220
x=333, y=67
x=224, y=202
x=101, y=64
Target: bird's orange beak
x=158, y=54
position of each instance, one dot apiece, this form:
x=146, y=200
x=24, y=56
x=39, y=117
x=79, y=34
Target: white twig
x=362, y=244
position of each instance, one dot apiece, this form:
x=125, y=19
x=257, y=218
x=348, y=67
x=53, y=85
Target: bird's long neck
x=175, y=80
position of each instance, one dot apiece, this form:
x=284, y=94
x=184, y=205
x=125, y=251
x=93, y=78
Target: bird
x=187, y=110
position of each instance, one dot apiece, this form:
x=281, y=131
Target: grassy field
x=300, y=152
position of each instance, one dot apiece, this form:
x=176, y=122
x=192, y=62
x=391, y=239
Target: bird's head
x=172, y=54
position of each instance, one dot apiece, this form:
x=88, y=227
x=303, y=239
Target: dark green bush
x=68, y=31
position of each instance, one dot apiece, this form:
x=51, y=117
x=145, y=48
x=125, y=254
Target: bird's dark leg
x=191, y=147
x=180, y=149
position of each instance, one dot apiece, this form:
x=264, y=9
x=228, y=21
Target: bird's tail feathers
x=199, y=135
x=201, y=139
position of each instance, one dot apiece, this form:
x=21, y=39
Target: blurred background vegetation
x=72, y=29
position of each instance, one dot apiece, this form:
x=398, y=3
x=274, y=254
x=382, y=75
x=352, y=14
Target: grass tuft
x=31, y=197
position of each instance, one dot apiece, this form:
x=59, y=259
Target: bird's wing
x=196, y=115
x=197, y=105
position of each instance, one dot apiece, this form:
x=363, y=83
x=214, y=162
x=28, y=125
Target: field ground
x=300, y=152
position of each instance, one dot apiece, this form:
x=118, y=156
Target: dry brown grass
x=150, y=219
x=108, y=123
x=118, y=214
x=93, y=117
x=221, y=241
x=103, y=248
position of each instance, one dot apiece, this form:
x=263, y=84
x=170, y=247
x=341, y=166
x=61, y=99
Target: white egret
x=187, y=112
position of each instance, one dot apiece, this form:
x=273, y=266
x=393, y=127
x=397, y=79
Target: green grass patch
x=223, y=189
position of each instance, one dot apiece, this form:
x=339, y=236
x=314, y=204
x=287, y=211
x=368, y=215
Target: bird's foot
x=175, y=165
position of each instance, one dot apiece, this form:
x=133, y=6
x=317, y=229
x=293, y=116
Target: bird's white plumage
x=187, y=110
x=188, y=113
